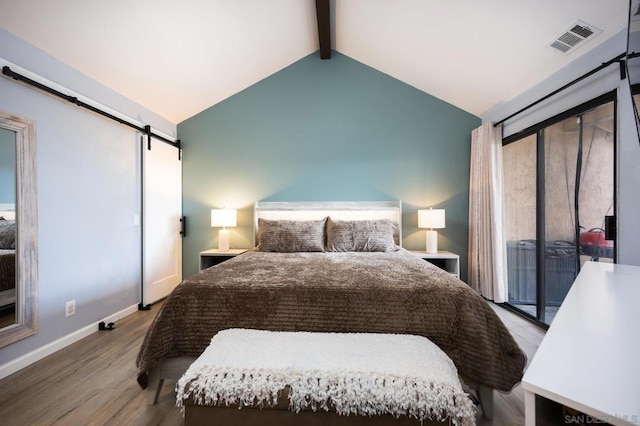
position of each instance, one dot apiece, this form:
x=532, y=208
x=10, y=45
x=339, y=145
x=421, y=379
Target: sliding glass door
x=520, y=171
x=559, y=187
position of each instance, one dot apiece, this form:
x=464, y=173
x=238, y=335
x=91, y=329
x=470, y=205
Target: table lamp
x=432, y=218
x=223, y=218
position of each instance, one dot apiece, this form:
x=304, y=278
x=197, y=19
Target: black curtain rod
x=146, y=129
x=618, y=59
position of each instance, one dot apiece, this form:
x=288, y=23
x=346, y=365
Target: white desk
x=589, y=359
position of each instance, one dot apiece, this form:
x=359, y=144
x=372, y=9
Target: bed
x=366, y=284
x=7, y=262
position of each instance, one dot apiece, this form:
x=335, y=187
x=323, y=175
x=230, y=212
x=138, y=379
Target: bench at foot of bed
x=332, y=378
x=200, y=415
x=173, y=368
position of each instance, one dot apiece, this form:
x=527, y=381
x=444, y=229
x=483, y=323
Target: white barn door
x=161, y=226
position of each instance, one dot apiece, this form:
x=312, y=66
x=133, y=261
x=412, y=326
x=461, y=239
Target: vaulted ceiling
x=177, y=58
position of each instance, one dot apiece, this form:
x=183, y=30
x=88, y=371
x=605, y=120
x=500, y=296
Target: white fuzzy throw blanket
x=353, y=373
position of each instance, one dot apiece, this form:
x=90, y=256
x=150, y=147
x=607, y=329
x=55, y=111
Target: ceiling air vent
x=575, y=36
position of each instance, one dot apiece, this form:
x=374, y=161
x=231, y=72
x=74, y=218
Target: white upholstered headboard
x=338, y=210
x=8, y=211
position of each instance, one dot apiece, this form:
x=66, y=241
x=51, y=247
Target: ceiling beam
x=323, y=14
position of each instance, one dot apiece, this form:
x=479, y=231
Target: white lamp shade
x=432, y=218
x=221, y=218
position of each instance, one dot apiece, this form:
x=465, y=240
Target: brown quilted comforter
x=7, y=269
x=342, y=292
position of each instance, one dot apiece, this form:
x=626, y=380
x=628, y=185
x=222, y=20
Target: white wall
x=628, y=155
x=88, y=193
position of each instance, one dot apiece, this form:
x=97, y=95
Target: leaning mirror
x=18, y=229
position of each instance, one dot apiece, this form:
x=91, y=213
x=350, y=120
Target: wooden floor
x=509, y=407
x=92, y=382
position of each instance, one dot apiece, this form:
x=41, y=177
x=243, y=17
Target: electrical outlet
x=70, y=308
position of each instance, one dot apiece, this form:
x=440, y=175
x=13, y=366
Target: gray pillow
x=361, y=235
x=7, y=234
x=291, y=236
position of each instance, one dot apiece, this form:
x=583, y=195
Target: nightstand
x=212, y=257
x=446, y=260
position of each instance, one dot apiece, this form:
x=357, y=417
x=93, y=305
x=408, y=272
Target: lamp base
x=432, y=242
x=223, y=240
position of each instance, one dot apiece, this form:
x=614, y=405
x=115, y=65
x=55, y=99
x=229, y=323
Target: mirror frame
x=26, y=230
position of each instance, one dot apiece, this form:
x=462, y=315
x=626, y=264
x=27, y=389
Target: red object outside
x=595, y=237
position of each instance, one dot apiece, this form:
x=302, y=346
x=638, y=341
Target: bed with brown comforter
x=7, y=260
x=379, y=292
x=7, y=269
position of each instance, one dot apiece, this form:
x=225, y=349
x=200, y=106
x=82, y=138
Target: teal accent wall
x=326, y=130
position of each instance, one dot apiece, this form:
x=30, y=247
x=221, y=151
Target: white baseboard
x=36, y=355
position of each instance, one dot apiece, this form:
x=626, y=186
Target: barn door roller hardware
x=146, y=129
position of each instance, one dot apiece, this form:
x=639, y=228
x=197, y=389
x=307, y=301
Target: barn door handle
x=183, y=226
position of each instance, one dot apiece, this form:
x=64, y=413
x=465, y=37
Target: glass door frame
x=538, y=130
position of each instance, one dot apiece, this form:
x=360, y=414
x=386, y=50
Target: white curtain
x=487, y=254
